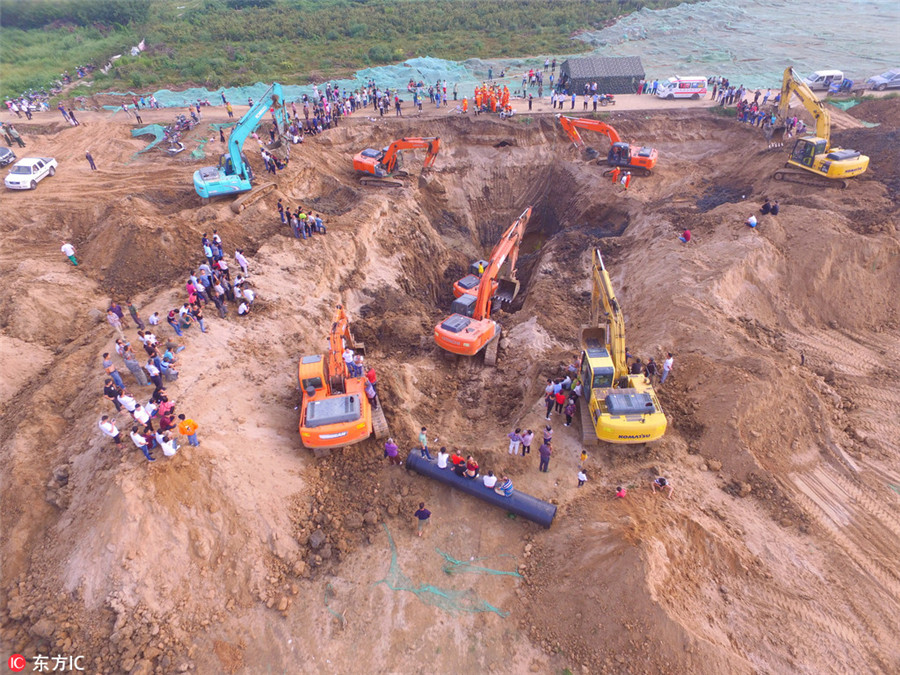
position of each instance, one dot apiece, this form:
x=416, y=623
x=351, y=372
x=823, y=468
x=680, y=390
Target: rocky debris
x=59, y=493
x=316, y=539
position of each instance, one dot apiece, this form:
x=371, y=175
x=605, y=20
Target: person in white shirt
x=109, y=428
x=668, y=364
x=442, y=458
x=250, y=295
x=153, y=372
x=169, y=447
x=141, y=444
x=241, y=261
x=582, y=477
x=141, y=415
x=154, y=319
x=243, y=309
x=69, y=251
x=490, y=480
x=127, y=401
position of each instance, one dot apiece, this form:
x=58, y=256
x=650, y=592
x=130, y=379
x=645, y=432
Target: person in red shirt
x=560, y=401
x=685, y=237
x=370, y=375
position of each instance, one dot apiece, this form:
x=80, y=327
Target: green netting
x=329, y=595
x=895, y=488
x=454, y=566
x=751, y=42
x=155, y=130
x=447, y=599
x=844, y=105
x=198, y=152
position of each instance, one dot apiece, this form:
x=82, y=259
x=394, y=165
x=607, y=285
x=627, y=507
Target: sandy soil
x=777, y=553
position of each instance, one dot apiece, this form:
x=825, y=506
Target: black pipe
x=530, y=508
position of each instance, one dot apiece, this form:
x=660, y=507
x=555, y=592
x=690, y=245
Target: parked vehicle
x=888, y=80
x=28, y=172
x=682, y=87
x=7, y=156
x=822, y=79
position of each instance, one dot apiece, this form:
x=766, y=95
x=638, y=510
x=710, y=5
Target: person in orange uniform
x=188, y=427
x=465, y=104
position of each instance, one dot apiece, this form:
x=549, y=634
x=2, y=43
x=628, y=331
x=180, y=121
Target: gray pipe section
x=519, y=503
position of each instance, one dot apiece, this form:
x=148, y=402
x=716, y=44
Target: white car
x=28, y=172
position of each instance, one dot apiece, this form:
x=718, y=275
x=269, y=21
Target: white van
x=682, y=87
x=822, y=79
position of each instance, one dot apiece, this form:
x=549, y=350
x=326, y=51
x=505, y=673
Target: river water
x=751, y=42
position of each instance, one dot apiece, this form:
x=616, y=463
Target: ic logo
x=16, y=663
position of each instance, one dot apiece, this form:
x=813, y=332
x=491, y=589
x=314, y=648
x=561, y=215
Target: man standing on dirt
x=545, y=451
x=132, y=310
x=668, y=364
x=188, y=427
x=90, y=159
x=69, y=251
x=422, y=515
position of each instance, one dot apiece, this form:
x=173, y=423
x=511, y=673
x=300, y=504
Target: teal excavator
x=233, y=174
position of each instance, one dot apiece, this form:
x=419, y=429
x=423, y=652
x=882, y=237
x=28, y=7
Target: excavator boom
x=617, y=407
x=791, y=84
x=572, y=124
x=469, y=329
x=603, y=294
x=233, y=174
x=639, y=160
x=335, y=410
x=815, y=154
x=386, y=163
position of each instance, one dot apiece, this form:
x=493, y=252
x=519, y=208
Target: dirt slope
x=776, y=554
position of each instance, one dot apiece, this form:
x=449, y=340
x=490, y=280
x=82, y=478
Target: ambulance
x=682, y=87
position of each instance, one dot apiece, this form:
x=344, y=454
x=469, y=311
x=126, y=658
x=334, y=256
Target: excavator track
x=490, y=349
x=252, y=197
x=381, y=182
x=379, y=423
x=588, y=433
x=807, y=178
x=635, y=170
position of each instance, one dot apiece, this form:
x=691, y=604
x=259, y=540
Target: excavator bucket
x=507, y=290
x=594, y=336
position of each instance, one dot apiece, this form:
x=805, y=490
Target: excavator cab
x=806, y=149
x=619, y=155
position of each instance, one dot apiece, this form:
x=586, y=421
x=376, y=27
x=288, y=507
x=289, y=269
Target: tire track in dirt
x=817, y=500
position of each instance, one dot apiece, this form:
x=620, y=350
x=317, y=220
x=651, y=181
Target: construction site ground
x=777, y=553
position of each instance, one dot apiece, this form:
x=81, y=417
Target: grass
x=236, y=42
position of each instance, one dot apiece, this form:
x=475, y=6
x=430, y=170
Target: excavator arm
x=791, y=84
x=603, y=294
x=572, y=124
x=340, y=332
x=507, y=247
x=273, y=98
x=431, y=144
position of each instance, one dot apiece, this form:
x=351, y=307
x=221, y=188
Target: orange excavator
x=634, y=158
x=334, y=410
x=469, y=328
x=386, y=164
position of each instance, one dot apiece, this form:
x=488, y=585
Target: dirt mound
x=884, y=111
x=246, y=550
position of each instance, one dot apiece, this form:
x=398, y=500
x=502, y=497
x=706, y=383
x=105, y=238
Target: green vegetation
x=234, y=42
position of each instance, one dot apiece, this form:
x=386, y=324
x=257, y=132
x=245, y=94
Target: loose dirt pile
x=776, y=554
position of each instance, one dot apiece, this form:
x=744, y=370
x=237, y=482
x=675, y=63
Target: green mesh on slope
x=449, y=600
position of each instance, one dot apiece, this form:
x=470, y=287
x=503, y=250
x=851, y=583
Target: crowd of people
x=157, y=424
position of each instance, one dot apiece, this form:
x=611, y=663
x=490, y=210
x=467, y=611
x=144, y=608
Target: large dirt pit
x=778, y=552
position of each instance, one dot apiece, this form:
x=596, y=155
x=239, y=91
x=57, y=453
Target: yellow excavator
x=616, y=407
x=814, y=154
